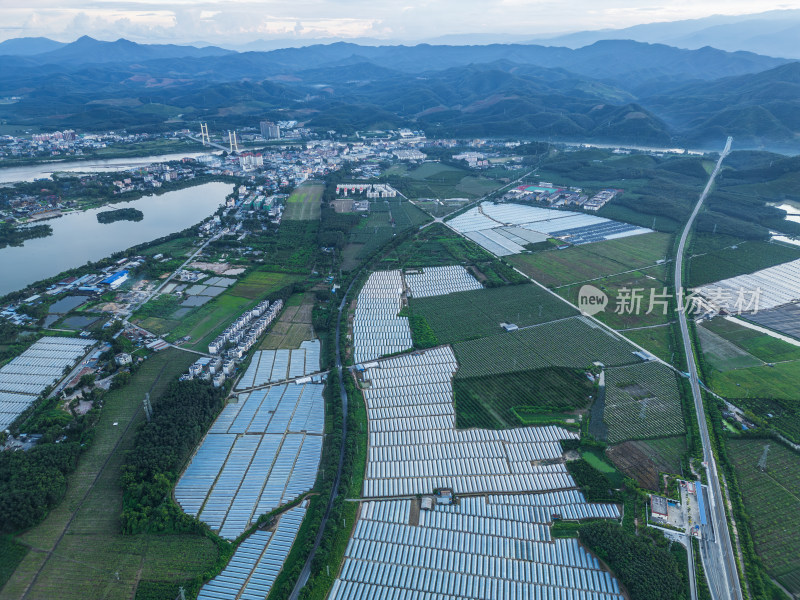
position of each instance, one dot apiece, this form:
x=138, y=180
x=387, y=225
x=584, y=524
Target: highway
x=716, y=549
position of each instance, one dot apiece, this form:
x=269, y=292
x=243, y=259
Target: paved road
x=133, y=308
x=306, y=572
x=716, y=549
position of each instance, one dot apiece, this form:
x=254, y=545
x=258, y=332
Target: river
x=43, y=170
x=78, y=237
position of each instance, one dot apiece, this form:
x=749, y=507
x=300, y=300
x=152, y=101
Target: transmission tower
x=234, y=143
x=204, y=137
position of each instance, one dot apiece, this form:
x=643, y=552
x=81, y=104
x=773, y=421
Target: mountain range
x=616, y=91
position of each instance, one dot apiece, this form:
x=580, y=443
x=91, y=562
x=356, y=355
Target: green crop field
x=592, y=261
x=622, y=312
x=386, y=219
x=258, y=285
x=761, y=345
x=772, y=499
x=709, y=264
x=642, y=401
x=478, y=313
x=778, y=382
x=77, y=551
x=435, y=180
x=657, y=340
x=205, y=323
x=574, y=342
x=496, y=402
x=305, y=203
x=722, y=354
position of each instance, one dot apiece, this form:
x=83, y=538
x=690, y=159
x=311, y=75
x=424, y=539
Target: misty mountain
x=773, y=33
x=28, y=46
x=761, y=109
x=614, y=91
x=87, y=50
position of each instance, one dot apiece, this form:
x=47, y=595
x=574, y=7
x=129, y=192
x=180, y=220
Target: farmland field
x=478, y=313
x=592, y=261
x=644, y=460
x=293, y=326
x=90, y=558
x=656, y=340
x=647, y=285
x=778, y=382
x=761, y=345
x=573, y=342
x=642, y=401
x=305, y=202
x=435, y=180
x=260, y=284
x=722, y=354
x=737, y=257
x=377, y=229
x=496, y=402
x=772, y=499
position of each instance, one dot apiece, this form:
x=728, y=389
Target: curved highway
x=716, y=549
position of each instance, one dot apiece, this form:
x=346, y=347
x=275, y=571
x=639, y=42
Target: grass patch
x=777, y=383
x=656, y=340
x=11, y=554
x=305, y=203
x=260, y=284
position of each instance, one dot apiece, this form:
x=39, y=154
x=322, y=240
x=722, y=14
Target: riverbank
x=138, y=150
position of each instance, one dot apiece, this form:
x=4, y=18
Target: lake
x=44, y=170
x=78, y=237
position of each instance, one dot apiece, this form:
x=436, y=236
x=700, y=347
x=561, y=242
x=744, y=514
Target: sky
x=232, y=22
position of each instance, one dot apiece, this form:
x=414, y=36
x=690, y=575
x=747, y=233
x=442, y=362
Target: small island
x=120, y=214
x=15, y=236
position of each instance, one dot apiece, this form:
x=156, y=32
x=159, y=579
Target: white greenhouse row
x=377, y=330
x=257, y=561
x=466, y=551
x=437, y=281
x=23, y=378
x=270, y=366
x=757, y=291
x=488, y=225
x=414, y=446
x=259, y=454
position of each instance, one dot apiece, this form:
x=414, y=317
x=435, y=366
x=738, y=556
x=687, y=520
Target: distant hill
x=28, y=46
x=773, y=33
x=760, y=109
x=612, y=91
x=87, y=50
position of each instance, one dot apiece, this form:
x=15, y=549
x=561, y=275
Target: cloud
x=240, y=21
